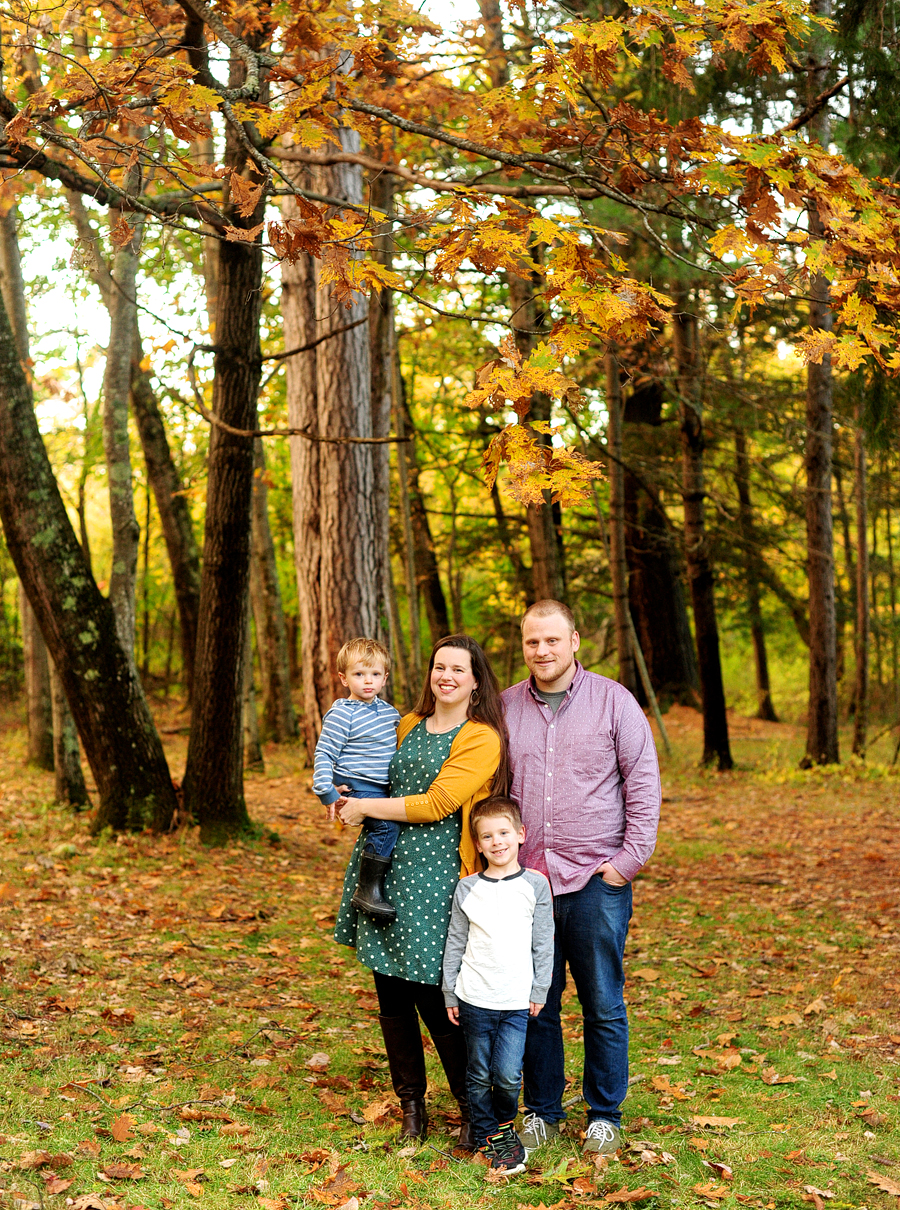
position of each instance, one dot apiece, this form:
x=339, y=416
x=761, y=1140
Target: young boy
x=498, y=965
x=359, y=737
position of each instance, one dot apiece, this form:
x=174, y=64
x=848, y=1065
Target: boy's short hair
x=490, y=808
x=363, y=651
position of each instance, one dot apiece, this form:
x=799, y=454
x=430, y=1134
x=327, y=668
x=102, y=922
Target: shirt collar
x=573, y=684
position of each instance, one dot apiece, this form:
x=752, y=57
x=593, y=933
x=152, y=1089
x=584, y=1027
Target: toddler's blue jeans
x=381, y=834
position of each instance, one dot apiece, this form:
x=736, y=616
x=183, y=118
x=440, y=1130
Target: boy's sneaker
x=601, y=1138
x=504, y=1151
x=536, y=1132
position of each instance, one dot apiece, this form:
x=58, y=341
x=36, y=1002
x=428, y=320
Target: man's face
x=549, y=649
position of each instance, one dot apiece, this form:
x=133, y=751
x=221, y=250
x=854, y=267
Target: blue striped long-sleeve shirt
x=358, y=740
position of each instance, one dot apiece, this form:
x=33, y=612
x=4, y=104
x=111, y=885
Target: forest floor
x=177, y=1027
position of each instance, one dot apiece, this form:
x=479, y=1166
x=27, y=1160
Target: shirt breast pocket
x=590, y=754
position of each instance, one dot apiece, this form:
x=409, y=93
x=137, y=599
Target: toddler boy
x=359, y=737
x=498, y=966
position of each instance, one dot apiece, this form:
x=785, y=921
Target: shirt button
x=548, y=799
x=549, y=774
x=547, y=825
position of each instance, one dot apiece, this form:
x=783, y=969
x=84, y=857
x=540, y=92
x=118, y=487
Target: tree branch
x=815, y=106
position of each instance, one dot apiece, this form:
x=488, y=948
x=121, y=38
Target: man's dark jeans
x=591, y=927
x=381, y=834
x=495, y=1039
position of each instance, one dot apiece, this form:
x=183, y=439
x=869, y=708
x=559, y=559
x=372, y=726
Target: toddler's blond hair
x=363, y=651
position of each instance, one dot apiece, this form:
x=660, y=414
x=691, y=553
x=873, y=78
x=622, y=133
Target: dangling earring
x=473, y=697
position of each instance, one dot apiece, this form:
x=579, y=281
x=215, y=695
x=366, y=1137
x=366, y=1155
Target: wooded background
x=455, y=273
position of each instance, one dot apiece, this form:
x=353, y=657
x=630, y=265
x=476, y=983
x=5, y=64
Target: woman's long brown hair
x=487, y=707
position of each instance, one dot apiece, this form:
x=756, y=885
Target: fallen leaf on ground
x=121, y=1127
x=647, y=973
x=318, y=1062
x=785, y=1019
x=699, y=1120
x=123, y=1172
x=713, y=1191
x=632, y=1195
x=815, y=1006
x=29, y=1160
x=884, y=1183
x=770, y=1076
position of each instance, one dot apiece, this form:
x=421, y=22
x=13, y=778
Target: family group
x=500, y=834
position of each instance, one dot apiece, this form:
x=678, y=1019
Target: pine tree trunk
x=69, y=789
x=765, y=708
x=861, y=687
x=116, y=386
x=700, y=573
x=214, y=775
x=822, y=721
x=382, y=345
x=271, y=635
x=618, y=566
x=337, y=536
x=298, y=309
x=101, y=686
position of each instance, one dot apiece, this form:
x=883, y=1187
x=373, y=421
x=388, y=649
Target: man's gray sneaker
x=535, y=1132
x=601, y=1138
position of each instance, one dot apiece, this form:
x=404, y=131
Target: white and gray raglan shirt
x=499, y=951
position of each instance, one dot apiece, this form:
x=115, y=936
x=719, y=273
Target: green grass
x=143, y=974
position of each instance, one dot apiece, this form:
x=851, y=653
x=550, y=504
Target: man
x=586, y=777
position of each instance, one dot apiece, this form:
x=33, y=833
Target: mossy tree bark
x=77, y=622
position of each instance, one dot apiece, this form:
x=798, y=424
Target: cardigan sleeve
x=472, y=762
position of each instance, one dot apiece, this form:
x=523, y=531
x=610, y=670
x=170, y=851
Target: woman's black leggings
x=402, y=998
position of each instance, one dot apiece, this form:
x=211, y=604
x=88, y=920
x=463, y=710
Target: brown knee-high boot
x=406, y=1060
x=451, y=1050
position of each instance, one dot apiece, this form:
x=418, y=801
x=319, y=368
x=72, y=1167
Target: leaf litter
x=188, y=1028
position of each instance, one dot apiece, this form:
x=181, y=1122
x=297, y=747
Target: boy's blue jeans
x=495, y=1039
x=381, y=834
x=591, y=928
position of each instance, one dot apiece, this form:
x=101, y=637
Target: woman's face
x=452, y=681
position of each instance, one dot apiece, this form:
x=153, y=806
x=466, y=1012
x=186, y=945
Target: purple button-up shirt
x=586, y=780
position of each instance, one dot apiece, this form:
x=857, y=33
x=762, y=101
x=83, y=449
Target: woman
x=451, y=753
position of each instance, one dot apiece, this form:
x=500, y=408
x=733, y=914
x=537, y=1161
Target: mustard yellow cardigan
x=464, y=779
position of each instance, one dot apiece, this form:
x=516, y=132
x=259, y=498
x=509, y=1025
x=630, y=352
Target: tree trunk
x=69, y=787
x=657, y=599
x=213, y=779
x=171, y=504
x=37, y=688
x=618, y=566
x=409, y=551
x=271, y=635
x=382, y=345
x=34, y=651
x=822, y=721
x=861, y=687
x=253, y=754
x=298, y=308
x=764, y=708
x=336, y=533
x=428, y=571
x=544, y=534
x=102, y=688
x=173, y=508
x=700, y=574
x=116, y=385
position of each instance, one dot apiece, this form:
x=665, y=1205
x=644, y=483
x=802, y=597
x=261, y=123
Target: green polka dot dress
x=422, y=878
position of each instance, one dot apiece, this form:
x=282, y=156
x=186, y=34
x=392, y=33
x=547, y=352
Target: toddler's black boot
x=369, y=894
